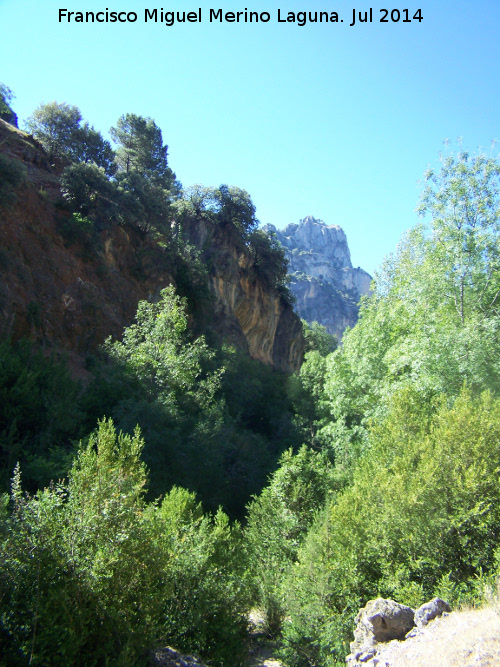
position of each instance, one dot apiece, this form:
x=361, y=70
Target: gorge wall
x=246, y=311
x=326, y=285
x=65, y=290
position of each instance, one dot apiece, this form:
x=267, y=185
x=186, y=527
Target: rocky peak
x=327, y=242
x=326, y=285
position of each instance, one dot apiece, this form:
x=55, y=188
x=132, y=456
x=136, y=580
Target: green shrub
x=204, y=428
x=91, y=574
x=40, y=415
x=205, y=610
x=278, y=521
x=422, y=517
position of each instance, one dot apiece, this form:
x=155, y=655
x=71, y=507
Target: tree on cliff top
x=55, y=126
x=225, y=206
x=141, y=149
x=58, y=127
x=144, y=177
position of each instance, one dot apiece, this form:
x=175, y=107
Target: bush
x=204, y=428
x=39, y=413
x=206, y=607
x=76, y=549
x=278, y=521
x=91, y=574
x=424, y=506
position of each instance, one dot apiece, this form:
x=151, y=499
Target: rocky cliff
x=62, y=289
x=246, y=311
x=327, y=287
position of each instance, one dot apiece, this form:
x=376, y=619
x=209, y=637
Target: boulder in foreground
x=382, y=621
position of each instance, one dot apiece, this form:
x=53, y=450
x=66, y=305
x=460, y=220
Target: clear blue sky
x=325, y=119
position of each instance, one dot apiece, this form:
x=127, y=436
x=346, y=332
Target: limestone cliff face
x=63, y=291
x=327, y=287
x=247, y=311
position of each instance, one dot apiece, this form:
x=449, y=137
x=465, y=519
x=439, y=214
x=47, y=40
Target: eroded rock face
x=247, y=311
x=326, y=285
x=67, y=293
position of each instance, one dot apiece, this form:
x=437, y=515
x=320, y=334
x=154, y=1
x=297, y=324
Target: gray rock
x=430, y=610
x=326, y=285
x=385, y=620
x=380, y=621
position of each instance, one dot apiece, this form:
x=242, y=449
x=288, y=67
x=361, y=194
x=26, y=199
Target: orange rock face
x=64, y=291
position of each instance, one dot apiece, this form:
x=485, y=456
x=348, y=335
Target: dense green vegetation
x=407, y=409
x=204, y=429
x=186, y=483
x=91, y=574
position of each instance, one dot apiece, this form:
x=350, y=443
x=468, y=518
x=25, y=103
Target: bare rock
x=385, y=624
x=326, y=285
x=468, y=638
x=430, y=610
x=380, y=621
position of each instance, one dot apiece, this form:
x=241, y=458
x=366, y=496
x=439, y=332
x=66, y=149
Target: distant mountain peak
x=327, y=287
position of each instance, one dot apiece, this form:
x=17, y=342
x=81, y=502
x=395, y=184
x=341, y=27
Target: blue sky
x=325, y=119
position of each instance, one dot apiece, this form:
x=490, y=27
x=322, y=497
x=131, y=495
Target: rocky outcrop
x=429, y=611
x=467, y=638
x=62, y=290
x=380, y=621
x=271, y=329
x=326, y=285
x=383, y=621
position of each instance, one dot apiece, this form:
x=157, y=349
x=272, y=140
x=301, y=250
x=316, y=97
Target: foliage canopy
x=59, y=129
x=91, y=574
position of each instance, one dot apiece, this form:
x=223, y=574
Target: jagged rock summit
x=327, y=287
